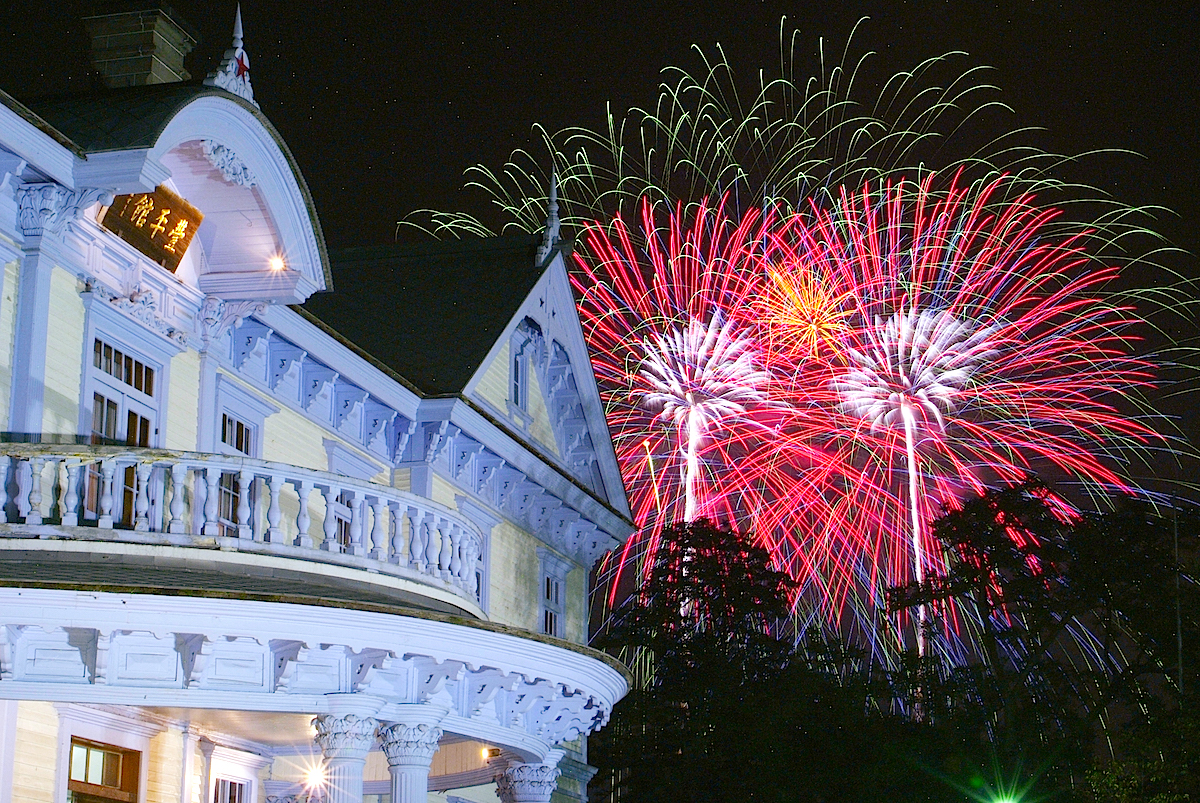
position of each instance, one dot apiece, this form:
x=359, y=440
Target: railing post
x=178, y=481
x=454, y=535
x=34, y=516
x=418, y=538
x=141, y=504
x=356, y=524
x=245, y=481
x=275, y=487
x=329, y=526
x=5, y=462
x=433, y=549
x=303, y=519
x=396, y=513
x=445, y=528
x=107, y=469
x=379, y=525
x=212, y=525
x=471, y=549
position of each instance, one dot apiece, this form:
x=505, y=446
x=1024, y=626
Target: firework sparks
x=700, y=376
x=976, y=347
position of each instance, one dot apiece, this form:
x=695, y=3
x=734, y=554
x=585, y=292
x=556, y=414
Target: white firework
x=912, y=372
x=700, y=375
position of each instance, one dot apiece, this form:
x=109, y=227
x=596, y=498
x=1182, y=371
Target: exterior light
x=314, y=777
x=276, y=263
x=490, y=752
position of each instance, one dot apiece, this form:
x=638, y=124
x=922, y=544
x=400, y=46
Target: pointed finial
x=550, y=237
x=234, y=73
x=237, y=27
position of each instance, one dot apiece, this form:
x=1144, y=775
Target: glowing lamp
x=276, y=263
x=489, y=752
x=314, y=777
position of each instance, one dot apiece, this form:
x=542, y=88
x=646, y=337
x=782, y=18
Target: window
x=102, y=772
x=552, y=605
x=226, y=791
x=124, y=413
x=524, y=345
x=237, y=437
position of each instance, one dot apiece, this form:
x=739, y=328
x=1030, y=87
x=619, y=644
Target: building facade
x=262, y=535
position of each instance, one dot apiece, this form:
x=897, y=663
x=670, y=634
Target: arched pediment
x=260, y=237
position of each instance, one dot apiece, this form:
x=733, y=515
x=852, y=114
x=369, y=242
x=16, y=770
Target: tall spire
x=550, y=236
x=234, y=73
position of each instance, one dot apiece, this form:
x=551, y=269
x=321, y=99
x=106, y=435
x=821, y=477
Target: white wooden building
x=276, y=522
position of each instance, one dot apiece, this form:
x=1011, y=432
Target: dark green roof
x=120, y=119
x=37, y=122
x=432, y=312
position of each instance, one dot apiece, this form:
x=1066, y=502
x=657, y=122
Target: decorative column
x=409, y=745
x=529, y=783
x=345, y=741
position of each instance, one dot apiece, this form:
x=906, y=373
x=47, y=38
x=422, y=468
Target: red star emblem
x=241, y=68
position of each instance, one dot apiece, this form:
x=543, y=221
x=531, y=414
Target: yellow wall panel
x=35, y=753
x=513, y=577
x=493, y=385
x=8, y=309
x=183, y=404
x=539, y=427
x=64, y=356
x=164, y=767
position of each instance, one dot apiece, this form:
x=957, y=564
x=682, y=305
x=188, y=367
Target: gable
x=537, y=379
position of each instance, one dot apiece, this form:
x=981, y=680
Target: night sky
x=385, y=104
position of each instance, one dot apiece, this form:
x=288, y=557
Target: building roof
x=121, y=119
x=430, y=312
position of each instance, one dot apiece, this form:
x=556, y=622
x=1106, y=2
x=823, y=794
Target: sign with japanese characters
x=160, y=224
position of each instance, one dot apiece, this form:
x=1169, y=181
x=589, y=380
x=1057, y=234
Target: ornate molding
x=347, y=736
x=527, y=783
x=232, y=168
x=141, y=305
x=217, y=316
x=409, y=745
x=233, y=74
x=48, y=207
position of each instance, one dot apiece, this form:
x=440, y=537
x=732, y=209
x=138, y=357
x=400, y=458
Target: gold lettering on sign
x=160, y=224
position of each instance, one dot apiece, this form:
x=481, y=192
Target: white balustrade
x=240, y=502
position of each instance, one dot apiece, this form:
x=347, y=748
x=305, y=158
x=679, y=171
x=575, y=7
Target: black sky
x=385, y=104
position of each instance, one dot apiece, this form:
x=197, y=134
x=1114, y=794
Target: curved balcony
x=273, y=523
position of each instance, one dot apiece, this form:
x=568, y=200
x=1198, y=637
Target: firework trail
x=955, y=345
x=682, y=381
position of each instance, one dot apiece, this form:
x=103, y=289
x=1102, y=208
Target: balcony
x=191, y=521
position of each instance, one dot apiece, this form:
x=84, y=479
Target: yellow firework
x=801, y=314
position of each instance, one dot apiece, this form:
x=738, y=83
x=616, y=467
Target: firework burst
x=975, y=348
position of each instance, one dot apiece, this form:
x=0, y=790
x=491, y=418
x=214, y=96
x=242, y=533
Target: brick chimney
x=136, y=43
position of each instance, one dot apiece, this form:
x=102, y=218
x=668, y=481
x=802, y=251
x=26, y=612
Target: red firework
x=963, y=346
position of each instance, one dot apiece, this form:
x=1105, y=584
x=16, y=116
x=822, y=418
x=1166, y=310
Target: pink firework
x=972, y=347
x=681, y=378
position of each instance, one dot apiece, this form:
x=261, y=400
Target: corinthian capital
x=48, y=207
x=527, y=783
x=406, y=745
x=346, y=736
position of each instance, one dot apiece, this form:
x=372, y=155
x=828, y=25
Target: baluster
x=329, y=526
x=418, y=538
x=178, y=480
x=212, y=525
x=433, y=550
x=107, y=469
x=141, y=503
x=5, y=462
x=51, y=500
x=471, y=549
x=455, y=538
x=245, y=481
x=158, y=498
x=356, y=525
x=34, y=516
x=379, y=539
x=275, y=487
x=303, y=519
x=396, y=514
